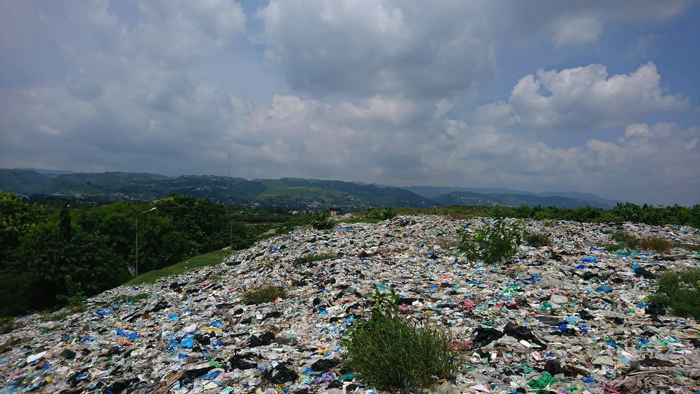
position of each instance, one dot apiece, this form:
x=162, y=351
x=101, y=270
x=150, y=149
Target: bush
x=680, y=291
x=621, y=236
x=389, y=352
x=536, y=239
x=321, y=222
x=625, y=240
x=318, y=257
x=491, y=243
x=655, y=243
x=263, y=295
x=389, y=213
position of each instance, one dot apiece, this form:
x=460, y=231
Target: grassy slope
x=190, y=264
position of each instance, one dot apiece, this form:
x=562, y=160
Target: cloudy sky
x=594, y=96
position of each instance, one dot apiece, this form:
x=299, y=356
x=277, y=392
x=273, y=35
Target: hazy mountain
x=436, y=191
x=514, y=200
x=291, y=192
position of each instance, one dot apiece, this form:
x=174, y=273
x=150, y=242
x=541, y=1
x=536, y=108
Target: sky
x=543, y=95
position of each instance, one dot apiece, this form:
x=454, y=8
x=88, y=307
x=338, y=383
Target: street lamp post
x=136, y=271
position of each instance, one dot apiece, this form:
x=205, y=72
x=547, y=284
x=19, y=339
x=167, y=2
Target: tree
x=65, y=230
x=17, y=218
x=202, y=221
x=160, y=243
x=57, y=272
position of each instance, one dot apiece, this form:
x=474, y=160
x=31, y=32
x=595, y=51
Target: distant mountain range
x=287, y=192
x=512, y=197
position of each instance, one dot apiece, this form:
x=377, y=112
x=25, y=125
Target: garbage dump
x=566, y=318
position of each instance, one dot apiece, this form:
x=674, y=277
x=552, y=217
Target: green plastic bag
x=540, y=385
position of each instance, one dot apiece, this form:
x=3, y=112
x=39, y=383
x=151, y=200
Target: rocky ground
x=566, y=318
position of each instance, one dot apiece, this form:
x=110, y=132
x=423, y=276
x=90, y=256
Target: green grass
x=629, y=241
x=263, y=295
x=681, y=292
x=132, y=298
x=692, y=248
x=7, y=325
x=62, y=315
x=190, y=264
x=389, y=353
x=537, y=239
x=613, y=247
x=318, y=257
x=359, y=220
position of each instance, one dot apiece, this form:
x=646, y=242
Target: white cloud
x=636, y=129
x=371, y=47
x=585, y=97
x=644, y=46
x=577, y=30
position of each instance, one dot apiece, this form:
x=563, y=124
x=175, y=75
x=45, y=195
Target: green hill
x=23, y=181
x=514, y=200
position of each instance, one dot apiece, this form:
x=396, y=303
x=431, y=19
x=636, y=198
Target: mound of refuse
x=570, y=317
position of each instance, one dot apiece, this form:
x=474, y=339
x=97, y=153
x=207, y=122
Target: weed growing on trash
x=390, y=352
x=62, y=315
x=321, y=222
x=7, y=325
x=681, y=292
x=318, y=257
x=493, y=243
x=263, y=295
x=625, y=240
x=132, y=298
x=387, y=213
x=537, y=239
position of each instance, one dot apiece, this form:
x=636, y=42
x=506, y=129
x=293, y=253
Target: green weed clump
x=389, y=352
x=318, y=257
x=321, y=221
x=387, y=213
x=681, y=292
x=62, y=315
x=655, y=243
x=7, y=325
x=537, y=239
x=263, y=295
x=626, y=240
x=132, y=298
x=493, y=243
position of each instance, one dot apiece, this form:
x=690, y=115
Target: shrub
x=263, y=295
x=390, y=352
x=321, y=222
x=655, y=243
x=537, y=239
x=621, y=236
x=387, y=213
x=681, y=292
x=626, y=240
x=318, y=257
x=492, y=243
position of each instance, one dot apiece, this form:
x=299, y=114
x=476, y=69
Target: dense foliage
x=16, y=220
x=626, y=212
x=680, y=291
x=59, y=257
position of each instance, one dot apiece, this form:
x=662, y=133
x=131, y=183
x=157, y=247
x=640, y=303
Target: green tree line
x=622, y=212
x=50, y=258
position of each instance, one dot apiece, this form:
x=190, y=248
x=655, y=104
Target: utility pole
x=228, y=186
x=136, y=269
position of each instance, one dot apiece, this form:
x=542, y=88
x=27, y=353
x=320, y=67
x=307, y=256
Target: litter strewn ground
x=567, y=318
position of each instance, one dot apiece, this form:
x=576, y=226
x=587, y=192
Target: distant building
x=334, y=211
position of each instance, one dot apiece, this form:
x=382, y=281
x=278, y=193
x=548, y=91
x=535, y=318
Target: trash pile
x=567, y=318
